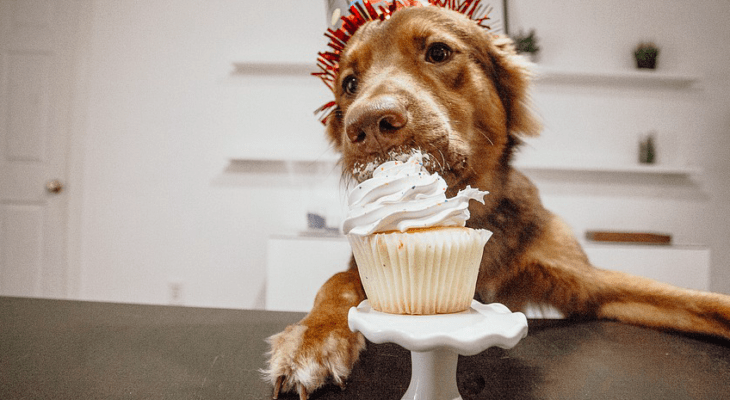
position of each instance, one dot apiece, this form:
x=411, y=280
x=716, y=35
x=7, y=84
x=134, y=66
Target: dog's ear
x=512, y=76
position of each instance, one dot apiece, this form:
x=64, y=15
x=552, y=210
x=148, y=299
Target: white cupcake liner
x=432, y=271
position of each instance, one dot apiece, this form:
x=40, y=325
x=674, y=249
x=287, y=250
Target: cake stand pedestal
x=435, y=341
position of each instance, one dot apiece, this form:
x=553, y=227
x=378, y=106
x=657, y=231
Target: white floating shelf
x=543, y=74
x=324, y=159
x=637, y=169
x=273, y=68
x=282, y=155
x=620, y=77
x=646, y=169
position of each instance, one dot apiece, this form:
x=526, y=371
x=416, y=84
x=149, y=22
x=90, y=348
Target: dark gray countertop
x=52, y=349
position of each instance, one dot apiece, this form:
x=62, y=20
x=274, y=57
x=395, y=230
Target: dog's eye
x=438, y=53
x=349, y=84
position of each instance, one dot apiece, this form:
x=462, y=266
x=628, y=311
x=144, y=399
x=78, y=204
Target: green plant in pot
x=646, y=55
x=527, y=44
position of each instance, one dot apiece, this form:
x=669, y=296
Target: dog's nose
x=375, y=124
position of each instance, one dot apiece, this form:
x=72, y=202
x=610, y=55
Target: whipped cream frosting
x=403, y=195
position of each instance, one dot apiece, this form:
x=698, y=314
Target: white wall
x=163, y=115
x=161, y=202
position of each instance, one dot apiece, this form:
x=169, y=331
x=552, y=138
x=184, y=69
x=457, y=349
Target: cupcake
x=413, y=251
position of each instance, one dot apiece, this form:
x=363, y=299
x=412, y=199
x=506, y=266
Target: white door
x=37, y=58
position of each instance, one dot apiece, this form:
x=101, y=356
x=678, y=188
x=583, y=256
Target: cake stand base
x=433, y=375
x=436, y=341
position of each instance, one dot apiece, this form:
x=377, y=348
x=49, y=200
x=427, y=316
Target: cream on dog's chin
x=431, y=79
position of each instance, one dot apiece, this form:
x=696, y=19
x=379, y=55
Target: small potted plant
x=647, y=148
x=526, y=44
x=646, y=54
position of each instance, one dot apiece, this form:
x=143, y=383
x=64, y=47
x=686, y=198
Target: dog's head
x=431, y=79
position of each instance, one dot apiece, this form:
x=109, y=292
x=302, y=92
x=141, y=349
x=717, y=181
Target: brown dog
x=430, y=78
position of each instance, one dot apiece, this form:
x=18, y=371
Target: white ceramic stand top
x=435, y=341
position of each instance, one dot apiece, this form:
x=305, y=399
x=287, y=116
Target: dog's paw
x=304, y=358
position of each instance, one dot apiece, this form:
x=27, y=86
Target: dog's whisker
x=443, y=163
x=486, y=137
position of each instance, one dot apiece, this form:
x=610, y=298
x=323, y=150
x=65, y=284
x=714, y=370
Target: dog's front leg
x=320, y=348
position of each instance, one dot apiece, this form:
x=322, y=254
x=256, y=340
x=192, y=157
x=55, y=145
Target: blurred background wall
x=182, y=164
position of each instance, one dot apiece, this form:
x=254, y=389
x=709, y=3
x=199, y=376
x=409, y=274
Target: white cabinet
x=297, y=266
x=684, y=266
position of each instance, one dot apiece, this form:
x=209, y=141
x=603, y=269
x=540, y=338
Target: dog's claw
x=277, y=387
x=303, y=393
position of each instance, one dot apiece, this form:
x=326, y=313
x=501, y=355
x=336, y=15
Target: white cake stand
x=435, y=341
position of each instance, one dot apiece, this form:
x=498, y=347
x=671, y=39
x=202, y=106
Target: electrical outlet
x=175, y=293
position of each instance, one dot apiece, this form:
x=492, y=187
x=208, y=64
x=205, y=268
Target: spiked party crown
x=363, y=11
